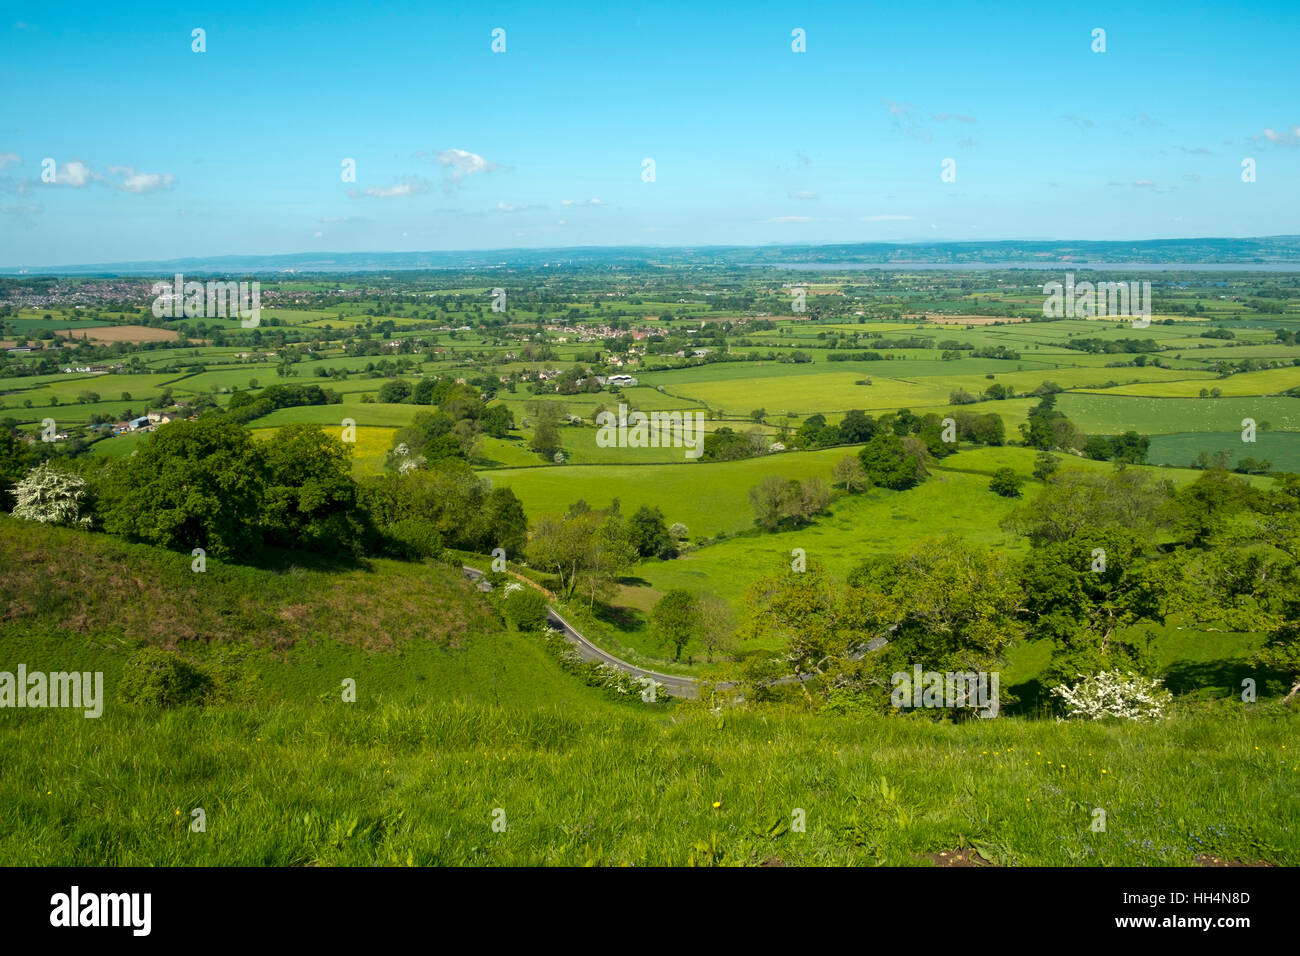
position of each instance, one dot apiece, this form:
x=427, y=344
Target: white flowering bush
x=403, y=460
x=1112, y=694
x=51, y=496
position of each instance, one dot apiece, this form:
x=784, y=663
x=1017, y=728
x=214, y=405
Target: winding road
x=675, y=684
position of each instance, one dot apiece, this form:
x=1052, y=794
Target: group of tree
x=244, y=406
x=587, y=550
x=209, y=484
x=1111, y=556
x=1129, y=448
x=788, y=502
x=453, y=430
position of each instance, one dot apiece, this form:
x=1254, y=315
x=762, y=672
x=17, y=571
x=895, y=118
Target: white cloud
x=955, y=117
x=74, y=173
x=580, y=202
x=134, y=182
x=903, y=122
x=802, y=194
x=22, y=211
x=1284, y=138
x=410, y=186
x=461, y=163
x=9, y=159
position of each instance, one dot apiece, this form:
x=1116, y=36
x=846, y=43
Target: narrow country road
x=675, y=684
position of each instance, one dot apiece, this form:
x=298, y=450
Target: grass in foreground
x=395, y=783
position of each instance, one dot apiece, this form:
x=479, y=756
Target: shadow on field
x=1031, y=699
x=623, y=618
x=282, y=561
x=1223, y=678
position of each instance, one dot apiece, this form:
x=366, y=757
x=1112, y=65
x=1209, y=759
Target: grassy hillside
x=458, y=722
x=403, y=631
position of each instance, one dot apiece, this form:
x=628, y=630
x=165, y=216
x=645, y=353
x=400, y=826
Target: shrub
x=525, y=607
x=160, y=678
x=51, y=496
x=1006, y=483
x=1111, y=694
x=413, y=539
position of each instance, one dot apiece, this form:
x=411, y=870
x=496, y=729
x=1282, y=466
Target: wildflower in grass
x=717, y=804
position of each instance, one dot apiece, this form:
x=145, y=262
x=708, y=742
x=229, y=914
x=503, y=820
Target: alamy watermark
x=179, y=299
x=1085, y=300
x=976, y=690
x=75, y=908
x=656, y=430
x=75, y=689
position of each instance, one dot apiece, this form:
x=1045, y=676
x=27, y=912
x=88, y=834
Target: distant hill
x=1006, y=253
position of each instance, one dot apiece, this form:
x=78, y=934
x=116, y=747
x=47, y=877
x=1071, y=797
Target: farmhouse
x=621, y=381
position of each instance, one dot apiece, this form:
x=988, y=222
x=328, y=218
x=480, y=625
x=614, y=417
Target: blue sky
x=162, y=152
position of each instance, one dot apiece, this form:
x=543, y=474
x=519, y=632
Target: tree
x=1087, y=592
x=1129, y=448
x=431, y=436
x=1098, y=448
x=15, y=458
x=942, y=604
x=192, y=484
x=423, y=392
x=890, y=463
x=586, y=549
x=546, y=431
x=310, y=500
x=1075, y=499
x=462, y=508
x=848, y=471
x=650, y=533
x=856, y=427
x=497, y=421
x=778, y=501
x=676, y=618
x=610, y=554
x=1045, y=465
x=771, y=500
x=717, y=625
x=51, y=496
x=1006, y=482
x=394, y=391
